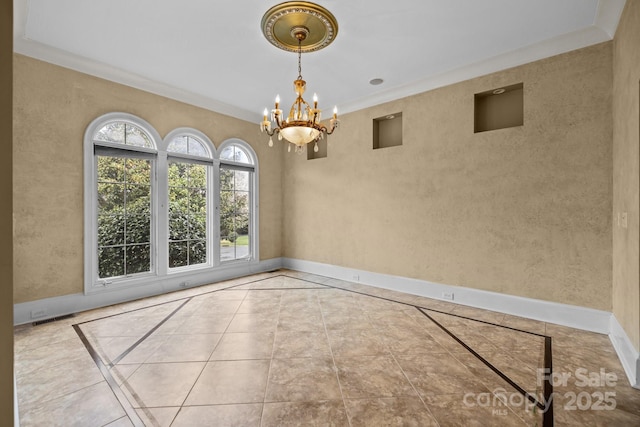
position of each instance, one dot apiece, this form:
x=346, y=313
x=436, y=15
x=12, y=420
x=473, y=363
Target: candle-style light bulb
x=315, y=101
x=265, y=113
x=335, y=112
x=277, y=101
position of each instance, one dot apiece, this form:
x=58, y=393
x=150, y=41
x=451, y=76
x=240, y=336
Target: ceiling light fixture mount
x=299, y=27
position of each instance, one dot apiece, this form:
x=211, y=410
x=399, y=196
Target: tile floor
x=287, y=348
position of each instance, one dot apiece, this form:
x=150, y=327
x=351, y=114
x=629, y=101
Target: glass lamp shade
x=299, y=135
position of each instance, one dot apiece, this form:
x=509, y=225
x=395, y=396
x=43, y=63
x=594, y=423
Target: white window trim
x=212, y=186
x=91, y=282
x=254, y=220
x=159, y=216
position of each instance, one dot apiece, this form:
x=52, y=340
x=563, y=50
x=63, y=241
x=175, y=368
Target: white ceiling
x=213, y=54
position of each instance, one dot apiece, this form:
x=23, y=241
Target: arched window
x=171, y=209
x=189, y=192
x=120, y=198
x=238, y=201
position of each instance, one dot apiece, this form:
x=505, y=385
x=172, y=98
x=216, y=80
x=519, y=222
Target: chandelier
x=297, y=27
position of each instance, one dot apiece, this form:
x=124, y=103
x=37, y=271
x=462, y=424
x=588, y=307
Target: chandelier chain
x=299, y=59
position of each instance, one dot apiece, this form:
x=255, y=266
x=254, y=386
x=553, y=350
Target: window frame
x=170, y=278
x=212, y=189
x=92, y=282
x=253, y=196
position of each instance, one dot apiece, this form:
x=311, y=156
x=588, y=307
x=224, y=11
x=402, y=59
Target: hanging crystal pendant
x=270, y=142
x=289, y=150
x=315, y=148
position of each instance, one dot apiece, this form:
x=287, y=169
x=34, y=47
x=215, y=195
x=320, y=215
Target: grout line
x=333, y=359
x=273, y=350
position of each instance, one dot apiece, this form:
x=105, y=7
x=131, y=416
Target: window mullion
x=162, y=215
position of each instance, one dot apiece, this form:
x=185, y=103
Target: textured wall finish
x=626, y=173
x=524, y=211
x=52, y=108
x=6, y=222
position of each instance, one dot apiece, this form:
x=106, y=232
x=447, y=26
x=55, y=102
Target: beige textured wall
x=52, y=109
x=523, y=211
x=6, y=222
x=626, y=173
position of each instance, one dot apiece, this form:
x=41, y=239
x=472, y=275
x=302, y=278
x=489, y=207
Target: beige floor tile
x=186, y=348
x=251, y=322
x=246, y=415
x=316, y=413
x=141, y=353
x=268, y=306
x=46, y=383
x=299, y=321
x=226, y=382
x=351, y=320
x=433, y=375
x=157, y=417
x=293, y=344
x=244, y=345
x=275, y=340
x=197, y=324
x=397, y=411
x=161, y=384
x=121, y=422
x=372, y=377
x=356, y=342
x=91, y=406
x=302, y=379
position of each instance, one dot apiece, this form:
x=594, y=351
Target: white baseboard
x=573, y=316
x=629, y=356
x=562, y=314
x=48, y=308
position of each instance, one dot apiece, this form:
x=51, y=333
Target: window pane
x=241, y=182
x=235, y=154
x=137, y=228
x=198, y=201
x=178, y=174
x=110, y=230
x=198, y=176
x=111, y=261
x=227, y=153
x=178, y=226
x=110, y=197
x=187, y=213
x=197, y=227
x=179, y=144
x=196, y=148
x=197, y=252
x=136, y=136
x=138, y=198
x=138, y=171
x=138, y=259
x=110, y=169
x=124, y=216
x=178, y=254
x=235, y=214
x=226, y=179
x=112, y=132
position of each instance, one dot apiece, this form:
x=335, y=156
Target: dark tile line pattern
x=113, y=385
x=145, y=336
x=547, y=421
x=547, y=385
x=547, y=388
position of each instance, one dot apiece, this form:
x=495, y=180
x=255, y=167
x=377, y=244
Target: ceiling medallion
x=278, y=21
x=298, y=26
